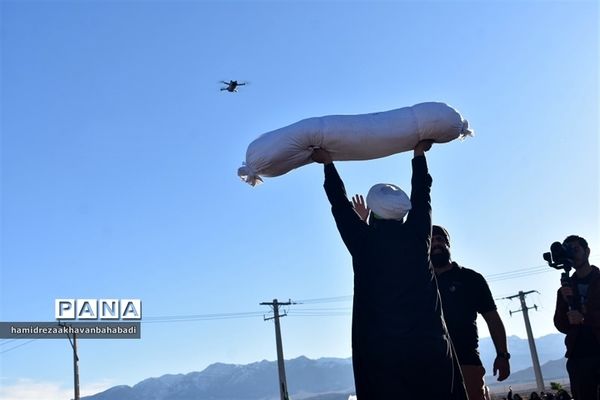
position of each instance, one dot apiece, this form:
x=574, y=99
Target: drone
x=232, y=85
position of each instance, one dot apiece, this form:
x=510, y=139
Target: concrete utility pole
x=280, y=364
x=75, y=362
x=539, y=379
x=75, y=367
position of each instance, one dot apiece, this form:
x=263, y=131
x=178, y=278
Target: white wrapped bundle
x=351, y=137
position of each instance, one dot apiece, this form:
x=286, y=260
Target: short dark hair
x=574, y=238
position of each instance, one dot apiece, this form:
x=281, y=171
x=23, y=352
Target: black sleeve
x=419, y=217
x=561, y=321
x=352, y=229
x=483, y=295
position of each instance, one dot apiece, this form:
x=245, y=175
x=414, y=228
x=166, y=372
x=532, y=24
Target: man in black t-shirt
x=465, y=293
x=578, y=316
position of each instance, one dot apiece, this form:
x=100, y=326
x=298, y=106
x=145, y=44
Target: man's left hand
x=502, y=368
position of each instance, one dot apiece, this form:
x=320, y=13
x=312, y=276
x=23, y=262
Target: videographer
x=577, y=315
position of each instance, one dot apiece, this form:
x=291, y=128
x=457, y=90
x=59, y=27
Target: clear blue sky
x=119, y=157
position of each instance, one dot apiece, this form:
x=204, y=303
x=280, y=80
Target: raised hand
x=422, y=147
x=358, y=202
x=321, y=156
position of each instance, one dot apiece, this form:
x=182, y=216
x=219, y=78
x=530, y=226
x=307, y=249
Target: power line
x=320, y=315
x=324, y=309
x=199, y=317
x=519, y=275
x=518, y=271
x=300, y=312
x=325, y=300
x=17, y=346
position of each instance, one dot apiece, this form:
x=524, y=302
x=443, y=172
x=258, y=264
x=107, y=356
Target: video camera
x=559, y=257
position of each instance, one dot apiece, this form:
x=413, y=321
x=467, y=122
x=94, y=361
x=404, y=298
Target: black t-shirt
x=464, y=293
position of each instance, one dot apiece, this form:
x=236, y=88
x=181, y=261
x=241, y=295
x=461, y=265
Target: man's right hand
x=575, y=317
x=566, y=293
x=422, y=147
x=321, y=156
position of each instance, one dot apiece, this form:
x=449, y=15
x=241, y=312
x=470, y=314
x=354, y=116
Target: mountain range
x=321, y=379
x=549, y=348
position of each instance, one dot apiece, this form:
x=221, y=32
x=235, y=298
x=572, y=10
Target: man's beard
x=577, y=264
x=440, y=259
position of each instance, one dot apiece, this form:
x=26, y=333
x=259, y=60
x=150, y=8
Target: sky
x=119, y=156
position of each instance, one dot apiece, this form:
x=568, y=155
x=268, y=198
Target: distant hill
x=322, y=379
x=549, y=347
x=551, y=370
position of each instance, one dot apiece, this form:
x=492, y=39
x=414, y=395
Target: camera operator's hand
x=575, y=317
x=566, y=293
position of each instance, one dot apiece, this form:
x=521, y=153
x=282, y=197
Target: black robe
x=399, y=340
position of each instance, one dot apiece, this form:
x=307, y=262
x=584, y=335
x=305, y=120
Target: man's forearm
x=421, y=184
x=334, y=186
x=497, y=331
x=561, y=322
x=420, y=173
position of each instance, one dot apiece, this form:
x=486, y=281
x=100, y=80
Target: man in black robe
x=399, y=339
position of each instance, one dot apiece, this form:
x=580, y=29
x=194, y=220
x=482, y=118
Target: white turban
x=388, y=201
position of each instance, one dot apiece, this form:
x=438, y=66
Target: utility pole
x=75, y=362
x=539, y=379
x=283, y=393
x=75, y=367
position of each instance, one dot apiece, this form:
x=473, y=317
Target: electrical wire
x=325, y=300
x=200, y=317
x=299, y=311
x=17, y=346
